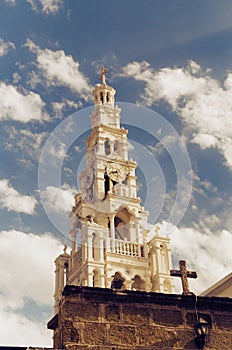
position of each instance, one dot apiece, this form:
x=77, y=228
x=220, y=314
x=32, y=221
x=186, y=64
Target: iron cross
x=184, y=274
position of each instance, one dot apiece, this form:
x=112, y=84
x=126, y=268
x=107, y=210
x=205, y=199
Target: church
x=114, y=290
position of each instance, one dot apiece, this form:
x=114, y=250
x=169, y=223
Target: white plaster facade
x=114, y=251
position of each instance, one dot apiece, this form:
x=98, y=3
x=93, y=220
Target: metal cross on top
x=102, y=77
x=184, y=274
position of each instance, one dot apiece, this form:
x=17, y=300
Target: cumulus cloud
x=48, y=6
x=26, y=332
x=203, y=103
x=28, y=267
x=5, y=47
x=12, y=200
x=60, y=107
x=207, y=253
x=23, y=106
x=59, y=200
x=60, y=69
x=28, y=144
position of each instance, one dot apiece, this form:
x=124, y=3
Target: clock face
x=116, y=172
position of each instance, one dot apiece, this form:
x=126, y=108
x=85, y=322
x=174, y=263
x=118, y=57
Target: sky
x=171, y=64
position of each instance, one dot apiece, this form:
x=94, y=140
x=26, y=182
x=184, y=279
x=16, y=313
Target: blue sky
x=172, y=57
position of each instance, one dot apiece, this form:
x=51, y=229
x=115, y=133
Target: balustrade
x=126, y=248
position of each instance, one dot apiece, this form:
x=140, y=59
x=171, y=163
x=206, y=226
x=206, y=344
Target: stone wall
x=97, y=318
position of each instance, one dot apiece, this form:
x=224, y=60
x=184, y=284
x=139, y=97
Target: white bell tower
x=114, y=251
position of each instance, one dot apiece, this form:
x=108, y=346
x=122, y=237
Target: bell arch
x=107, y=146
x=122, y=224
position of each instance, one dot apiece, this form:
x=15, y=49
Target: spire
x=103, y=94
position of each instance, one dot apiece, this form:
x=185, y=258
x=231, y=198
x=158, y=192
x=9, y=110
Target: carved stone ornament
x=88, y=178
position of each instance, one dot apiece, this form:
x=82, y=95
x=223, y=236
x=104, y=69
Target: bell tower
x=114, y=251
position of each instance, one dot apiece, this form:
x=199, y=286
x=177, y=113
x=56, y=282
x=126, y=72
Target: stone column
x=102, y=279
x=57, y=278
x=101, y=248
x=89, y=246
x=73, y=234
x=111, y=147
x=61, y=276
x=90, y=279
x=145, y=247
x=112, y=232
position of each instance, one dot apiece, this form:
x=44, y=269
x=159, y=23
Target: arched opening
x=101, y=97
x=107, y=147
x=106, y=183
x=116, y=147
x=118, y=281
x=119, y=228
x=122, y=224
x=138, y=283
x=108, y=97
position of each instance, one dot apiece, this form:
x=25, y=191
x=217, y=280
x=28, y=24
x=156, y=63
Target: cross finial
x=65, y=248
x=184, y=274
x=157, y=228
x=102, y=77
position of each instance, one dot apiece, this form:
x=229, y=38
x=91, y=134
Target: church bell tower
x=114, y=250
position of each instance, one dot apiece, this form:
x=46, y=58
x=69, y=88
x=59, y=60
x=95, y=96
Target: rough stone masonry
x=99, y=318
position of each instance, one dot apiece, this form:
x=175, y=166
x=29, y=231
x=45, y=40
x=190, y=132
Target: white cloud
x=29, y=266
x=60, y=69
x=11, y=2
x=26, y=332
x=48, y=6
x=5, y=47
x=28, y=144
x=23, y=106
x=208, y=254
x=12, y=200
x=60, y=107
x=204, y=104
x=59, y=200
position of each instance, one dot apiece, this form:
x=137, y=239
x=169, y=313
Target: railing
x=119, y=246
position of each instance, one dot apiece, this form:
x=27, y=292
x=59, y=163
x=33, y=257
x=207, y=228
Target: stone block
x=95, y=333
x=81, y=311
x=150, y=335
x=223, y=321
x=112, y=313
x=218, y=340
x=167, y=317
x=121, y=335
x=135, y=315
x=70, y=333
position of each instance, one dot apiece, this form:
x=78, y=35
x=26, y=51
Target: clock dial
x=116, y=172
